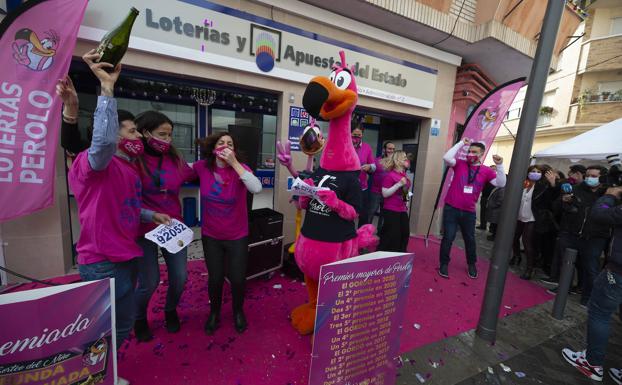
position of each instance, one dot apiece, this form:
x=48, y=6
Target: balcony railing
x=597, y=112
x=543, y=120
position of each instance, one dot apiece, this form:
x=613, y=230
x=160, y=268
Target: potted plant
x=605, y=95
x=546, y=110
x=617, y=95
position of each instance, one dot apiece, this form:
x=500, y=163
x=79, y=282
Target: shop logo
x=265, y=46
x=32, y=52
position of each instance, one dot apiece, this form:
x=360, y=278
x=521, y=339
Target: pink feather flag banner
x=36, y=44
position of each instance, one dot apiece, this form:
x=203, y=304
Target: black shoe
x=516, y=260
x=472, y=270
x=172, y=321
x=443, y=270
x=212, y=323
x=141, y=330
x=576, y=290
x=239, y=320
x=527, y=275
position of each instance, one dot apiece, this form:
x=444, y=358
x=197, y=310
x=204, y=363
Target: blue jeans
x=605, y=300
x=452, y=219
x=149, y=277
x=591, y=249
x=124, y=274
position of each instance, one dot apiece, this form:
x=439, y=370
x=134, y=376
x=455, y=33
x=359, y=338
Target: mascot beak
x=31, y=36
x=323, y=99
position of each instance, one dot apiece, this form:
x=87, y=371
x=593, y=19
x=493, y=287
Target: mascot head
x=334, y=98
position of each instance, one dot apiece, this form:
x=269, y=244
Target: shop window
x=183, y=117
x=616, y=26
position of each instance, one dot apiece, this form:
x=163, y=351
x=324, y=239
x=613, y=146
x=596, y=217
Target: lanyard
x=473, y=174
x=157, y=181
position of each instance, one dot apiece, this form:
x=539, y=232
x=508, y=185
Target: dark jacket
x=493, y=206
x=541, y=207
x=607, y=211
x=71, y=138
x=574, y=214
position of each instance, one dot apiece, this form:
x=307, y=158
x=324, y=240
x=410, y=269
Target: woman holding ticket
x=224, y=183
x=163, y=171
x=395, y=231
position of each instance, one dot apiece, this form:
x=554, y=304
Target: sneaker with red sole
x=579, y=361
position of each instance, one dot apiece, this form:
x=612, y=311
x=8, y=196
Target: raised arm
x=450, y=155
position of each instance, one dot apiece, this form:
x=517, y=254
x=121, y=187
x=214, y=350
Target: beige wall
x=39, y=244
x=602, y=21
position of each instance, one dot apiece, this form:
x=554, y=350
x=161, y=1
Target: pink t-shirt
x=467, y=184
x=109, y=204
x=396, y=201
x=161, y=184
x=223, y=202
x=378, y=176
x=365, y=157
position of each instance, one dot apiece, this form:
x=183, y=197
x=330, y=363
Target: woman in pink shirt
x=163, y=171
x=395, y=186
x=388, y=148
x=224, y=183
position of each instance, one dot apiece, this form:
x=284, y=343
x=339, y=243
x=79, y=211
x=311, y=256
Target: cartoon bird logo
x=487, y=118
x=32, y=52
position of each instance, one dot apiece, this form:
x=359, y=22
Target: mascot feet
x=303, y=318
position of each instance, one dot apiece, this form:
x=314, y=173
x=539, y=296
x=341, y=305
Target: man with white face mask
x=577, y=231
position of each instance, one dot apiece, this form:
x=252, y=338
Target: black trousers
x=230, y=257
x=525, y=231
x=395, y=231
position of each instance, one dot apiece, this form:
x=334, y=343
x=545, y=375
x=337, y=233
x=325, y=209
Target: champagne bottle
x=114, y=44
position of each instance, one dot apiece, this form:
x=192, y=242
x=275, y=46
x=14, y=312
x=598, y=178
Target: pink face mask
x=356, y=141
x=161, y=146
x=472, y=158
x=132, y=147
x=218, y=150
x=407, y=164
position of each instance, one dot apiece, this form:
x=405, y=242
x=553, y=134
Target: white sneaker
x=122, y=381
x=616, y=375
x=579, y=361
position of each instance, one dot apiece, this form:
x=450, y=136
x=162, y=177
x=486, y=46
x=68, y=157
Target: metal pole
x=487, y=327
x=565, y=280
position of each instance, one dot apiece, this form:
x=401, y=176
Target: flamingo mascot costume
x=329, y=233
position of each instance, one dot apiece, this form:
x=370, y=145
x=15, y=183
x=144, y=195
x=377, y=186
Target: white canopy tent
x=595, y=144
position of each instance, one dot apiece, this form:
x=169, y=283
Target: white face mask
x=592, y=181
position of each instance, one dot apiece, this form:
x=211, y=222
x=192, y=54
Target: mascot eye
x=332, y=76
x=343, y=80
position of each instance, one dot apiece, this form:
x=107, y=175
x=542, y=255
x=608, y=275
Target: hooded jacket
x=607, y=211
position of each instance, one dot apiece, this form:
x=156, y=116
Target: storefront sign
x=207, y=32
x=64, y=335
x=358, y=322
x=266, y=177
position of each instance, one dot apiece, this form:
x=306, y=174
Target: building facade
x=199, y=62
x=584, y=91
